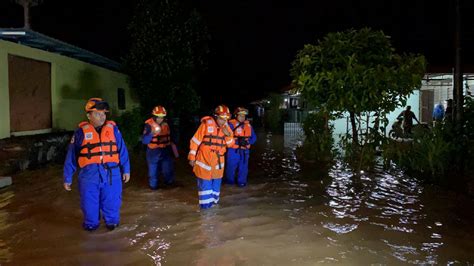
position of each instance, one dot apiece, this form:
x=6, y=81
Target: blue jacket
x=93, y=170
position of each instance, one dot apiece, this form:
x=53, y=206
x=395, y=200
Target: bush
x=358, y=156
x=318, y=143
x=130, y=124
x=430, y=156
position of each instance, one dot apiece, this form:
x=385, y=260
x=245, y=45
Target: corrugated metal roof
x=37, y=40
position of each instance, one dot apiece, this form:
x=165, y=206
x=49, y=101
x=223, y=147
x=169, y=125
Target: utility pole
x=458, y=92
x=27, y=4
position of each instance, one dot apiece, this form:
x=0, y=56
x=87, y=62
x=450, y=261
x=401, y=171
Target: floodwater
x=288, y=215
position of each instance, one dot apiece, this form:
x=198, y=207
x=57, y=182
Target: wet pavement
x=288, y=215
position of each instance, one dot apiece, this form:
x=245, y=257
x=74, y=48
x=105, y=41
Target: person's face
x=408, y=108
x=96, y=118
x=241, y=118
x=221, y=121
x=159, y=120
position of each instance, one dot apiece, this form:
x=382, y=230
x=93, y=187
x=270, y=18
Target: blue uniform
x=237, y=160
x=159, y=161
x=100, y=185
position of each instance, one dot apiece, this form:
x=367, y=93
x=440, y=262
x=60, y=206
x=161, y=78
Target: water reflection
x=288, y=215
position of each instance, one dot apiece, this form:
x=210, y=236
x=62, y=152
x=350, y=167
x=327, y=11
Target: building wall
x=340, y=125
x=72, y=83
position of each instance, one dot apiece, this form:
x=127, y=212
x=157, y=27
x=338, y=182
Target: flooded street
x=288, y=215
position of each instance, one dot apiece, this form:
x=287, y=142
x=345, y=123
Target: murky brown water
x=286, y=216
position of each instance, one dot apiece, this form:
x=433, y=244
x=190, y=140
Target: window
x=121, y=98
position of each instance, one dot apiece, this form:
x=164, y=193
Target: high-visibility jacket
x=242, y=132
x=161, y=139
x=98, y=149
x=207, y=148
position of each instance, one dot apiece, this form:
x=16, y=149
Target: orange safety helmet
x=222, y=111
x=159, y=111
x=96, y=104
x=241, y=111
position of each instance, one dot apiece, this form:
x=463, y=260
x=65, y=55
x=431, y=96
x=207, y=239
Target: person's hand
x=226, y=131
x=191, y=162
x=126, y=177
x=67, y=186
x=244, y=142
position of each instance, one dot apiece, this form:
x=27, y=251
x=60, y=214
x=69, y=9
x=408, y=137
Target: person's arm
x=229, y=135
x=416, y=119
x=195, y=142
x=253, y=137
x=70, y=163
x=123, y=155
x=147, y=134
x=400, y=115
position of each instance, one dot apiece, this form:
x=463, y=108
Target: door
x=30, y=94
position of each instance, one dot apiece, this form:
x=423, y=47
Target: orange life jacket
x=98, y=149
x=207, y=149
x=161, y=139
x=242, y=131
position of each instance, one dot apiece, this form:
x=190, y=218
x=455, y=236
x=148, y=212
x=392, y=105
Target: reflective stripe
x=216, y=193
x=205, y=192
x=192, y=152
x=195, y=140
x=203, y=165
x=207, y=201
x=218, y=168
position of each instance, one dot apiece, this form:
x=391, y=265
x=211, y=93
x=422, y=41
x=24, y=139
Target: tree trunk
x=355, y=137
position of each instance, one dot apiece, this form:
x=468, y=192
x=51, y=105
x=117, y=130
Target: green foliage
x=273, y=113
x=430, y=155
x=168, y=52
x=358, y=157
x=130, y=124
x=318, y=143
x=356, y=72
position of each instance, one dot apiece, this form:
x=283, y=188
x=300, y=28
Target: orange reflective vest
x=161, y=139
x=242, y=131
x=98, y=149
x=207, y=149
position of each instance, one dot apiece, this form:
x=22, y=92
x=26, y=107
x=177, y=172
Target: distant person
x=238, y=154
x=98, y=150
x=207, y=155
x=438, y=113
x=408, y=117
x=160, y=148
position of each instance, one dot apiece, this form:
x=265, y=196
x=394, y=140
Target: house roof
x=40, y=41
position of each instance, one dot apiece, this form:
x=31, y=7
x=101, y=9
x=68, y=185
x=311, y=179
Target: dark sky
x=254, y=41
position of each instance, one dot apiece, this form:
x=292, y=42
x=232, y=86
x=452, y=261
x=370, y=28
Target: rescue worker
x=207, y=155
x=157, y=137
x=237, y=156
x=98, y=150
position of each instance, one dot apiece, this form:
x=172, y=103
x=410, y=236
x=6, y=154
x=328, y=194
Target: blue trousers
x=209, y=192
x=159, y=162
x=237, y=162
x=100, y=195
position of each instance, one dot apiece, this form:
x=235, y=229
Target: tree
x=168, y=53
x=27, y=4
x=356, y=71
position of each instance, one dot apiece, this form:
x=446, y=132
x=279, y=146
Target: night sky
x=253, y=42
